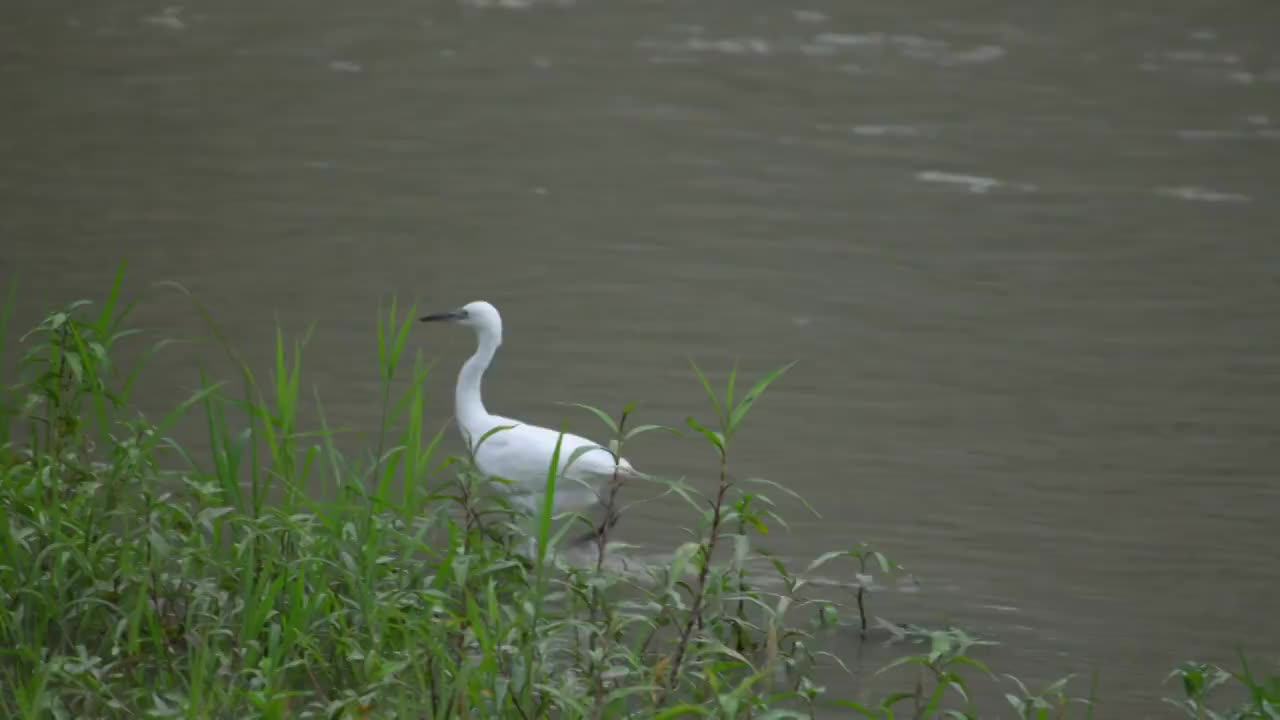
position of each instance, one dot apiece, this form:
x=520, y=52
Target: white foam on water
x=169, y=18
x=1200, y=57
x=886, y=130
x=687, y=39
x=809, y=16
x=1201, y=64
x=974, y=183
x=730, y=45
x=1202, y=194
x=851, y=39
x=1257, y=131
x=345, y=66
x=913, y=47
x=980, y=54
x=684, y=40
x=1198, y=134
x=978, y=184
x=515, y=4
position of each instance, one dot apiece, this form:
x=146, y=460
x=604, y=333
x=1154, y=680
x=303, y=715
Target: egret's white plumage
x=522, y=453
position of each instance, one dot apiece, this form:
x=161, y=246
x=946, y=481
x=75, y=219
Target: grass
x=138, y=580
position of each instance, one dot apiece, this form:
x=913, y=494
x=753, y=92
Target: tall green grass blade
x=7, y=409
x=87, y=372
x=721, y=417
x=388, y=360
x=748, y=401
x=728, y=393
x=414, y=463
x=107, y=315
x=6, y=314
x=547, y=510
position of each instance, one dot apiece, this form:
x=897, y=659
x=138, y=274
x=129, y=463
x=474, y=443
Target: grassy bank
x=139, y=580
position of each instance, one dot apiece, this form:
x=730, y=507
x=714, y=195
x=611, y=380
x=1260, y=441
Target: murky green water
x=1027, y=257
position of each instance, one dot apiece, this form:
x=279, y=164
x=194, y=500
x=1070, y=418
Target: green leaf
x=641, y=429
x=859, y=708
x=208, y=515
x=1057, y=685
x=1021, y=687
x=104, y=318
x=604, y=416
x=896, y=698
x=713, y=437
x=579, y=452
x=882, y=561
x=7, y=312
x=785, y=489
x=966, y=660
x=935, y=699
x=825, y=558
x=905, y=660
x=402, y=336
x=544, y=519
x=680, y=560
x=159, y=545
x=706, y=385
x=73, y=363
x=490, y=433
x=728, y=394
x=174, y=415
x=740, y=412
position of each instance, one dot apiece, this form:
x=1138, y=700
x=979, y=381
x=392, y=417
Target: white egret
x=522, y=453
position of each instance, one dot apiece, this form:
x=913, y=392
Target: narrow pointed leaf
x=748, y=400
x=711, y=436
x=706, y=385
x=604, y=416
x=642, y=429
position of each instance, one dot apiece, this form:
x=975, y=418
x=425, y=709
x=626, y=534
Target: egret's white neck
x=468, y=403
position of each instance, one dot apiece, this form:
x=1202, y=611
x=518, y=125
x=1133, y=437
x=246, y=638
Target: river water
x=1025, y=254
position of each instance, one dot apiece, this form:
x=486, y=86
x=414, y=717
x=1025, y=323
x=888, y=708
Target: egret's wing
x=523, y=454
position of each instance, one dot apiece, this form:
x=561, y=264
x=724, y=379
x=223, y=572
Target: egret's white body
x=521, y=453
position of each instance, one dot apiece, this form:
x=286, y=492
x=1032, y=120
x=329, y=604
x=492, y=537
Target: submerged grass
x=138, y=580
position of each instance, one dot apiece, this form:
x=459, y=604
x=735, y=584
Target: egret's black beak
x=447, y=316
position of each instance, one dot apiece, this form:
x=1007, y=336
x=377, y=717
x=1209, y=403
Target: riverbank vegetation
x=272, y=575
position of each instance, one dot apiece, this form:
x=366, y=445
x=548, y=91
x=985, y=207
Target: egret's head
x=478, y=315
